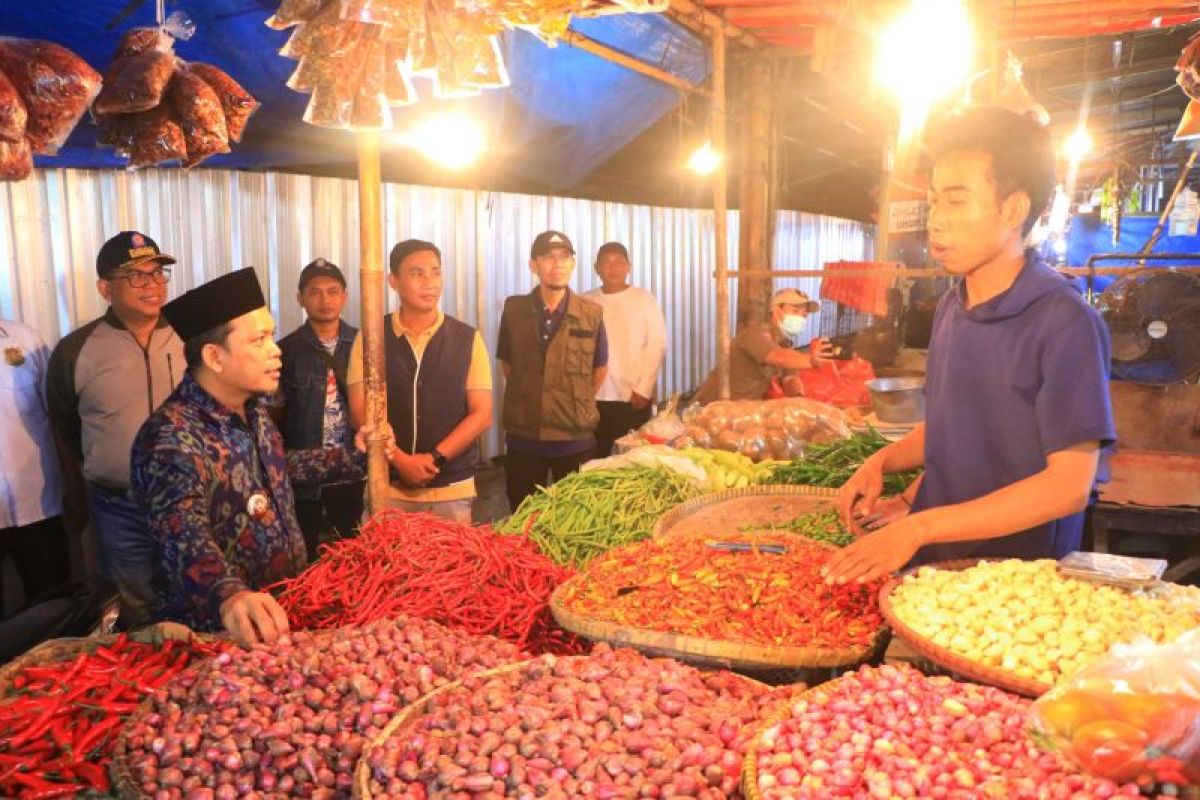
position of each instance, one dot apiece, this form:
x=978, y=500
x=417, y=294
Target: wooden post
x=883, y=226
x=370, y=271
x=720, y=234
x=754, y=190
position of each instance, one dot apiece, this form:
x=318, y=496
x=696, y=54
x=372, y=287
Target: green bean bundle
x=589, y=513
x=821, y=526
x=832, y=464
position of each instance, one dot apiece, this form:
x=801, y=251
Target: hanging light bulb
x=453, y=141
x=923, y=56
x=1077, y=145
x=704, y=159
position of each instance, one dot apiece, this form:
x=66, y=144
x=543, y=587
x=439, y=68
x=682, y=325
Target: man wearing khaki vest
x=554, y=353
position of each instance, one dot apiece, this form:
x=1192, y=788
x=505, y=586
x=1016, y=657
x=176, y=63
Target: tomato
x=1164, y=718
x=1110, y=749
x=1064, y=714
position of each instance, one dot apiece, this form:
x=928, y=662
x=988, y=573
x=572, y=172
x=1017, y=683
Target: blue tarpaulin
x=1088, y=236
x=566, y=112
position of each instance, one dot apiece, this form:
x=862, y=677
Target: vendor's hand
x=887, y=510
x=858, y=496
x=821, y=351
x=253, y=617
x=416, y=470
x=364, y=435
x=875, y=555
x=638, y=402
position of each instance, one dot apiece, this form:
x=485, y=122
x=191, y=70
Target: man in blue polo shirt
x=554, y=352
x=1016, y=392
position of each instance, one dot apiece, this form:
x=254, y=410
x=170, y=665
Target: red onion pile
x=610, y=725
x=893, y=732
x=291, y=719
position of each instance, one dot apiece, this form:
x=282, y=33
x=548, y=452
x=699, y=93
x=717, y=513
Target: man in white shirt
x=637, y=343
x=31, y=529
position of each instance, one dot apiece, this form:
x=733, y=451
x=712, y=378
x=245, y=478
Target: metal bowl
x=898, y=399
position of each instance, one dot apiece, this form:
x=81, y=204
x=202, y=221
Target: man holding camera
x=762, y=353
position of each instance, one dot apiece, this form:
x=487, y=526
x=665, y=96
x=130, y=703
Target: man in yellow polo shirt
x=439, y=390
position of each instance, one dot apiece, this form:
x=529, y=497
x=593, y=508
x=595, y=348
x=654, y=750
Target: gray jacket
x=101, y=386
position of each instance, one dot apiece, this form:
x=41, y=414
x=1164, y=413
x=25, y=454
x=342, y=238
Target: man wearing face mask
x=763, y=351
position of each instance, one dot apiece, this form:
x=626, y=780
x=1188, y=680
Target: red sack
x=12, y=112
x=16, y=160
x=198, y=110
x=841, y=383
x=55, y=85
x=135, y=83
x=866, y=293
x=236, y=102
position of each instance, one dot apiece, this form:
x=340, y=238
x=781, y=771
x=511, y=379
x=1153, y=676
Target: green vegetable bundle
x=832, y=464
x=821, y=526
x=589, y=513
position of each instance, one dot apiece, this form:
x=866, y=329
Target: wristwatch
x=439, y=460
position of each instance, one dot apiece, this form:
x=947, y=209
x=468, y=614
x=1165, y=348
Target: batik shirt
x=218, y=503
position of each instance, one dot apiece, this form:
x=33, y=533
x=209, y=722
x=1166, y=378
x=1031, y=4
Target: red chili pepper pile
x=60, y=721
x=680, y=584
x=465, y=577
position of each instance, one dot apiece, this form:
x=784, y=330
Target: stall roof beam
x=700, y=19
x=577, y=39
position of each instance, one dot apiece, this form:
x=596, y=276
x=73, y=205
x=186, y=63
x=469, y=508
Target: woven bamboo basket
x=728, y=511
x=750, y=762
x=411, y=714
x=742, y=656
x=55, y=650
x=947, y=659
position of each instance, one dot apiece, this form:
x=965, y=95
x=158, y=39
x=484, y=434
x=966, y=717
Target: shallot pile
x=612, y=724
x=290, y=719
x=893, y=732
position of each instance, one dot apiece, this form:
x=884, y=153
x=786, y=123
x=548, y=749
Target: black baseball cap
x=320, y=268
x=547, y=241
x=612, y=247
x=127, y=249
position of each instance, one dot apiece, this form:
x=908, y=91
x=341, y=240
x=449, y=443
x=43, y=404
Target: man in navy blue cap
x=102, y=382
x=554, y=352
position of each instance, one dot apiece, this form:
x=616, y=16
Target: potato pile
x=1023, y=617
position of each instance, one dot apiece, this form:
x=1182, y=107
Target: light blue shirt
x=30, y=480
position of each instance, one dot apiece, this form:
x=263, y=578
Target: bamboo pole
x=370, y=271
x=720, y=217
x=1170, y=204
x=614, y=56
x=916, y=272
x=754, y=188
x=883, y=228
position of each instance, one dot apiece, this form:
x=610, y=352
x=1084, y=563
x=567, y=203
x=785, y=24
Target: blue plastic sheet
x=570, y=108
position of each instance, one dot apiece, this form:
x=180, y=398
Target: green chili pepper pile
x=589, y=513
x=821, y=526
x=832, y=464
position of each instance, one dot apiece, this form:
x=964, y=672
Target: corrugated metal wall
x=52, y=225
